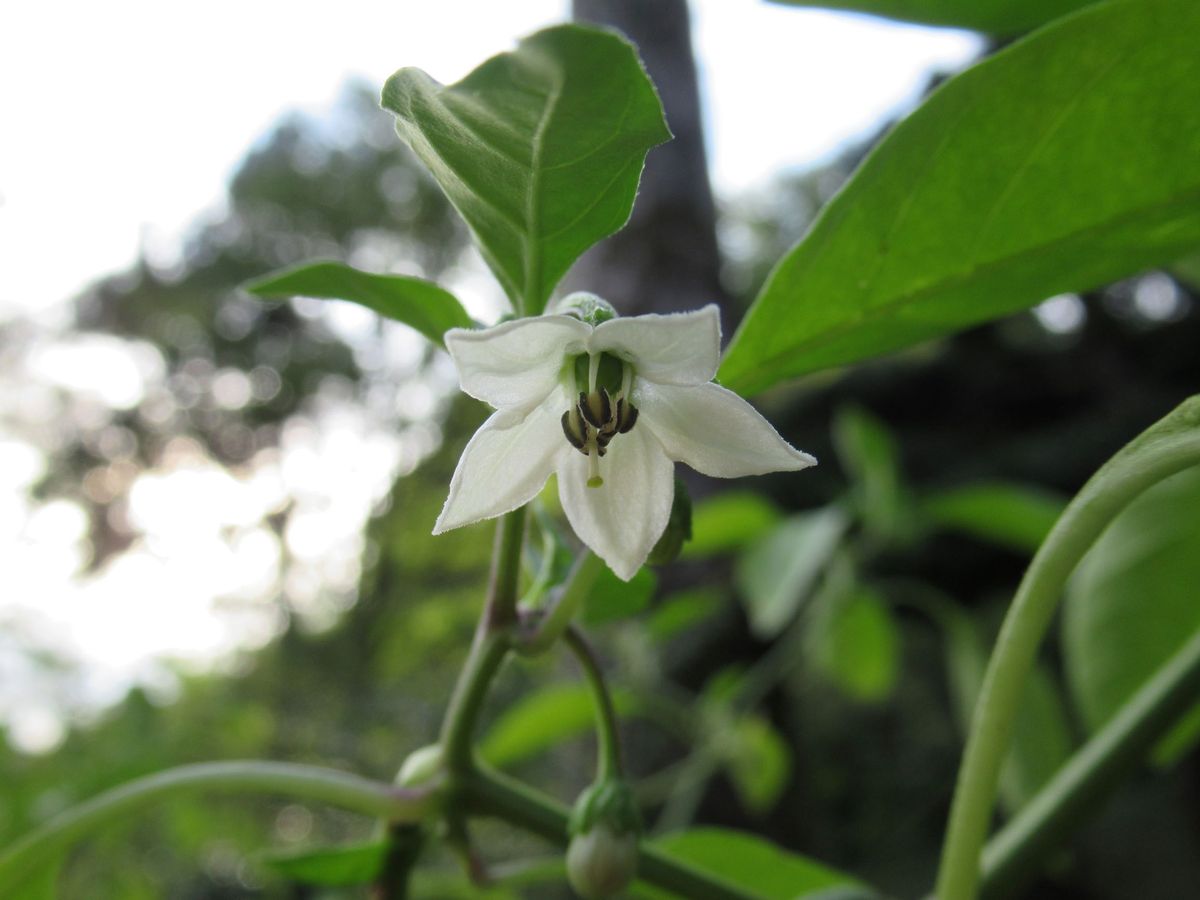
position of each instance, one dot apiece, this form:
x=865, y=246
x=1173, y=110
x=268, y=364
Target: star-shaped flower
x=610, y=404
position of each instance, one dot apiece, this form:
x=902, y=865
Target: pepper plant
x=992, y=196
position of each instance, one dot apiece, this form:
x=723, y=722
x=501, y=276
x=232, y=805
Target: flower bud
x=605, y=825
x=420, y=767
x=586, y=306
x=602, y=862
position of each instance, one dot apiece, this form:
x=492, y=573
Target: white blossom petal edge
x=569, y=390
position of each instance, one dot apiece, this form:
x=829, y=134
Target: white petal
x=515, y=363
x=622, y=519
x=682, y=348
x=506, y=463
x=714, y=431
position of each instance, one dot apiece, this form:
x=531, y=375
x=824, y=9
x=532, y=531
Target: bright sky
x=123, y=120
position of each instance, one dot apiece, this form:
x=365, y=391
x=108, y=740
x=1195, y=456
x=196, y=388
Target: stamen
x=627, y=416
x=596, y=408
x=575, y=430
x=626, y=379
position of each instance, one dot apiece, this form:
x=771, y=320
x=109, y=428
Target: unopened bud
x=605, y=825
x=420, y=767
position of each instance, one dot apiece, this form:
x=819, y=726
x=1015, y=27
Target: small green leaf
x=542, y=720
x=330, y=866
x=759, y=762
x=729, y=521
x=612, y=599
x=777, y=574
x=868, y=454
x=540, y=149
x=1065, y=161
x=1012, y=515
x=853, y=640
x=681, y=610
x=1134, y=602
x=421, y=304
x=999, y=17
x=747, y=862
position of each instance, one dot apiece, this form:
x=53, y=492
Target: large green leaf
x=540, y=149
x=429, y=309
x=1061, y=163
x=1001, y=17
x=1135, y=601
x=748, y=862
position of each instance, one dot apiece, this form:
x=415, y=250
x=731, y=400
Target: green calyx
x=609, y=803
x=679, y=528
x=586, y=306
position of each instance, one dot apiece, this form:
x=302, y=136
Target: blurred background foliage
x=804, y=671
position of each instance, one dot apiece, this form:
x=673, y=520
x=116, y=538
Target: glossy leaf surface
x=540, y=149
x=1065, y=161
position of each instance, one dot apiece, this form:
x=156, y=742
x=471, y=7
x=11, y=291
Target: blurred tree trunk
x=666, y=259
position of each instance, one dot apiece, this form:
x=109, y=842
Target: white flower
x=610, y=408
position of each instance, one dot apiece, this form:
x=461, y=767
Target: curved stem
x=1169, y=446
x=1090, y=775
x=494, y=794
x=302, y=782
x=608, y=758
x=550, y=628
x=490, y=646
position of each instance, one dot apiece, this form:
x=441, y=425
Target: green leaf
x=749, y=862
x=681, y=610
x=330, y=866
x=1187, y=270
x=999, y=17
x=729, y=521
x=777, y=574
x=1012, y=515
x=542, y=720
x=1063, y=162
x=759, y=762
x=421, y=304
x=1042, y=741
x=868, y=454
x=1135, y=601
x=853, y=640
x=540, y=149
x=612, y=599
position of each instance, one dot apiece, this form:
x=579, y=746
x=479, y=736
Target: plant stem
x=1169, y=446
x=489, y=647
x=303, y=782
x=579, y=584
x=494, y=794
x=608, y=757
x=1092, y=773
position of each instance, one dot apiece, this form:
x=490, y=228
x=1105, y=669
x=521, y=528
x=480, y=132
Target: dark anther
x=596, y=408
x=575, y=430
x=627, y=416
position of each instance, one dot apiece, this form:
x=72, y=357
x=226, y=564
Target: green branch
x=301, y=782
x=608, y=762
x=1169, y=446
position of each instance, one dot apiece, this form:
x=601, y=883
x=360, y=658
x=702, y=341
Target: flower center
x=599, y=414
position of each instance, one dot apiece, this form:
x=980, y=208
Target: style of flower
x=610, y=404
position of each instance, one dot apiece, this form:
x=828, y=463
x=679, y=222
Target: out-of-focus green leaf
x=1012, y=515
x=853, y=640
x=1042, y=740
x=542, y=720
x=540, y=149
x=425, y=306
x=729, y=521
x=612, y=599
x=1065, y=161
x=868, y=454
x=681, y=610
x=330, y=866
x=999, y=17
x=758, y=761
x=1187, y=270
x=1135, y=601
x=777, y=574
x=748, y=862
x=40, y=885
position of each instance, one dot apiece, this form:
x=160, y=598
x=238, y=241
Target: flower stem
x=1169, y=446
x=494, y=794
x=1092, y=773
x=489, y=647
x=302, y=782
x=608, y=757
x=550, y=628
